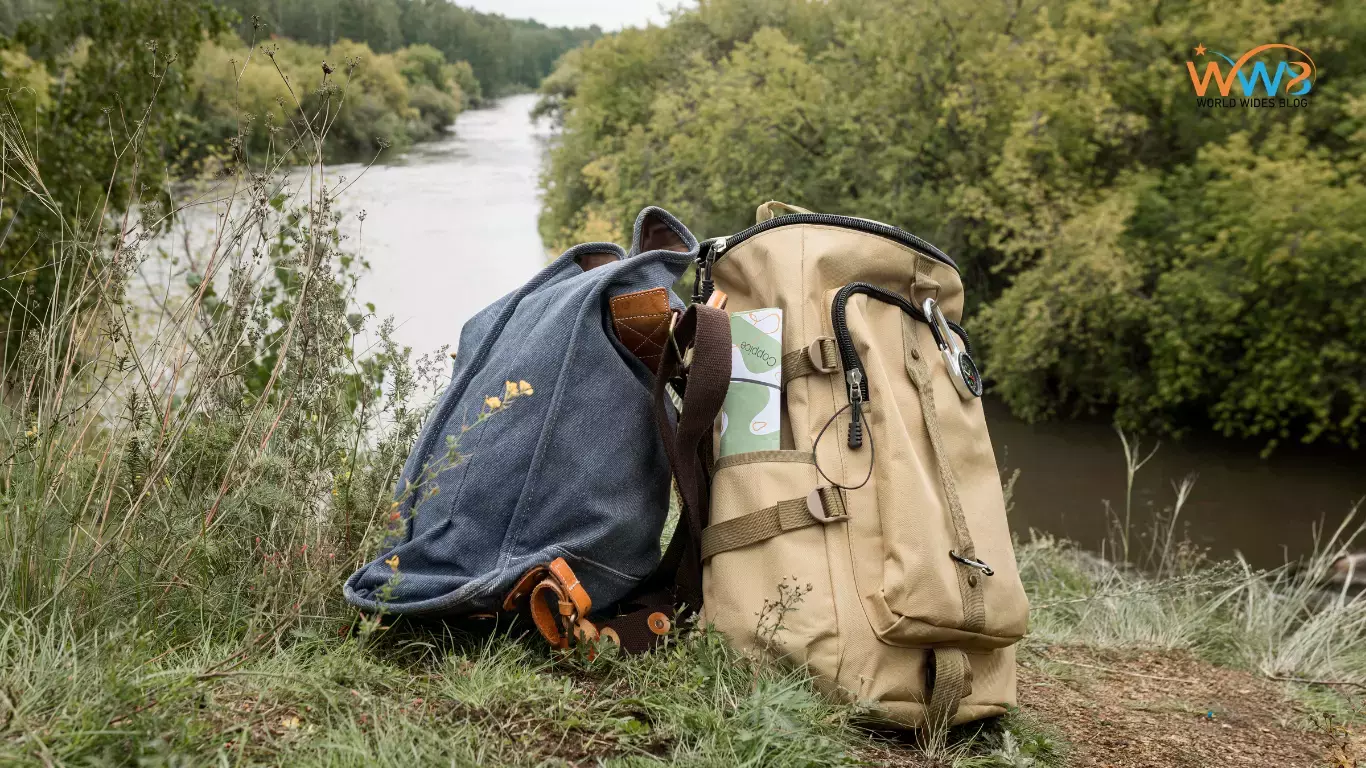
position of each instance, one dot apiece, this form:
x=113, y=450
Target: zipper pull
x=855, y=379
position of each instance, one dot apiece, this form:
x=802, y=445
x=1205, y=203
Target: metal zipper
x=848, y=222
x=713, y=249
x=855, y=377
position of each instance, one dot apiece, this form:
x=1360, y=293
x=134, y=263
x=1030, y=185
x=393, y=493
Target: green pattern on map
x=750, y=417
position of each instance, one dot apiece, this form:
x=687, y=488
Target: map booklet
x=751, y=414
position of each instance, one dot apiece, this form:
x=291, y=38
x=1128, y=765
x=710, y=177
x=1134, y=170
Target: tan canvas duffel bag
x=872, y=549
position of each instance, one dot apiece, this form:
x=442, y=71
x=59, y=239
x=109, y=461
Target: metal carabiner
x=962, y=370
x=971, y=563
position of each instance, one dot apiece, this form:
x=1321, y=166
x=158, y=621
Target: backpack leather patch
x=641, y=320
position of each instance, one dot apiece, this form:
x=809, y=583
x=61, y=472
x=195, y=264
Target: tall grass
x=1286, y=623
x=211, y=471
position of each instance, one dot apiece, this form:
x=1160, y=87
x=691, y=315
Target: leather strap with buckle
x=558, y=605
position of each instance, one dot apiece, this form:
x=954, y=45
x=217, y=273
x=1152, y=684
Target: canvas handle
x=774, y=208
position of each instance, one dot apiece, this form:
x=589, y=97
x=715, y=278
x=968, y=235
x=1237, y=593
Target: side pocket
x=929, y=497
x=775, y=594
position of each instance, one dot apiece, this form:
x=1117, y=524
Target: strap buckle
x=557, y=601
x=815, y=506
x=816, y=352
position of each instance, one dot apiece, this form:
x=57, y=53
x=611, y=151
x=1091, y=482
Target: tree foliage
x=504, y=54
x=121, y=97
x=81, y=88
x=370, y=100
x=1129, y=252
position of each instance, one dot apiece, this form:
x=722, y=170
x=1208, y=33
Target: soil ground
x=1132, y=709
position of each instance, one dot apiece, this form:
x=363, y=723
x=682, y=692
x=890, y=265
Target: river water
x=451, y=226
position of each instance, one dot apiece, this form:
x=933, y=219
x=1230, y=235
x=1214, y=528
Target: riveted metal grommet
x=658, y=623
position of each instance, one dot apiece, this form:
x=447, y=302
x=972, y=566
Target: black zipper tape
x=848, y=222
x=855, y=377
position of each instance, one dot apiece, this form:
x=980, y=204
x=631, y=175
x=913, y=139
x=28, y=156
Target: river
x=451, y=226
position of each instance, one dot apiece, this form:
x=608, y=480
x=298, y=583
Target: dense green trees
x=389, y=99
x=1130, y=252
x=505, y=54
x=98, y=99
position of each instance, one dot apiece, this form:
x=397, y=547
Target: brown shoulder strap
x=703, y=380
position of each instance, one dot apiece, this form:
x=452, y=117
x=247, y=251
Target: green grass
x=116, y=697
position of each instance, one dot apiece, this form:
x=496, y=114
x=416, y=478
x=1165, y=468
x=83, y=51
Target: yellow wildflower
x=510, y=391
x=493, y=403
x=524, y=388
x=290, y=723
x=392, y=562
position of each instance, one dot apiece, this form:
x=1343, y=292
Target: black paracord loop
x=872, y=451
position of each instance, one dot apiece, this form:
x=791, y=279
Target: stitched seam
x=645, y=338
x=629, y=296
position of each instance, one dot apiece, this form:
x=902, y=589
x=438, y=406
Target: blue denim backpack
x=540, y=484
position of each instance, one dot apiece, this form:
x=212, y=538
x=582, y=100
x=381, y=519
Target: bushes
x=380, y=99
x=1176, y=266
x=76, y=93
x=1231, y=293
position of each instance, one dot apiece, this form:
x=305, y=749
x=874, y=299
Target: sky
x=608, y=14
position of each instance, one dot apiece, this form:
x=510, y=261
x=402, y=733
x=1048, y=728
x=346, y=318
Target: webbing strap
x=802, y=362
x=789, y=515
x=706, y=330
x=969, y=583
x=952, y=680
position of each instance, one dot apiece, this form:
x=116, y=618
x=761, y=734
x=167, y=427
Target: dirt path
x=1165, y=710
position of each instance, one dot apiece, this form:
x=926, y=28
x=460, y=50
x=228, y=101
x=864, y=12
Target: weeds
x=1281, y=623
x=771, y=618
x=200, y=460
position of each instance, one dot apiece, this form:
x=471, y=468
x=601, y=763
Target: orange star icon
x=1200, y=49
